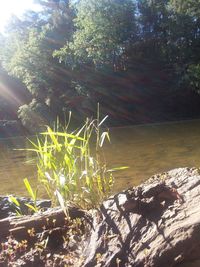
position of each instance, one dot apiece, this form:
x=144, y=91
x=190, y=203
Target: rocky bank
x=155, y=224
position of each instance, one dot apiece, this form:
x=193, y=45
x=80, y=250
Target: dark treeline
x=73, y=54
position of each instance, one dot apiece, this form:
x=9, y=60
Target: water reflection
x=149, y=149
x=14, y=167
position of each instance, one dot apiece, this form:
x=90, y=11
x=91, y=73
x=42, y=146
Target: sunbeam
x=13, y=7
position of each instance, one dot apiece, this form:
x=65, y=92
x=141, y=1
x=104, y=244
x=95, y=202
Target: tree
x=35, y=115
x=189, y=7
x=156, y=25
x=188, y=13
x=27, y=51
x=104, y=30
x=63, y=53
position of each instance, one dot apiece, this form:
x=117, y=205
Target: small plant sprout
x=33, y=195
x=16, y=204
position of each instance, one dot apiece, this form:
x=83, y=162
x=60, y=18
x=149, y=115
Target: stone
x=155, y=224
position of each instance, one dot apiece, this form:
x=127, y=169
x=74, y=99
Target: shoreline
x=159, y=210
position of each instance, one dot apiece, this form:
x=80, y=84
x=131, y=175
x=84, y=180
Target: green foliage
x=24, y=59
x=193, y=77
x=103, y=30
x=16, y=204
x=154, y=21
x=59, y=52
x=189, y=7
x=33, y=195
x=34, y=116
x=26, y=53
x=70, y=169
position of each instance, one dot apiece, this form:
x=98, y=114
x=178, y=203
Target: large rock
x=155, y=224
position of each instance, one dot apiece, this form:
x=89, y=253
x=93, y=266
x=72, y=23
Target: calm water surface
x=146, y=149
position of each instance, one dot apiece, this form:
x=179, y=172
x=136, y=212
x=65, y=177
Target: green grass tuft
x=70, y=168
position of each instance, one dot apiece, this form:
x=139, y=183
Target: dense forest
x=123, y=54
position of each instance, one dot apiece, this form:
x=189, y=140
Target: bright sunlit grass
x=68, y=169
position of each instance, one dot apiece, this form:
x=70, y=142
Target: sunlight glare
x=9, y=95
x=14, y=7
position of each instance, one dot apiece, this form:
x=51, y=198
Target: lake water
x=146, y=149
